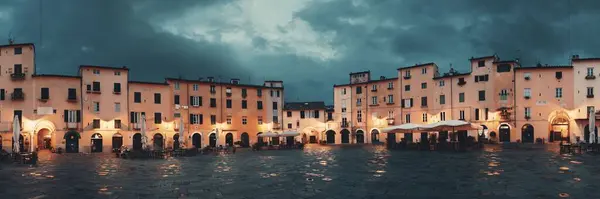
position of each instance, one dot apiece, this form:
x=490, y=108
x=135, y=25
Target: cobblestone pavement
x=315, y=172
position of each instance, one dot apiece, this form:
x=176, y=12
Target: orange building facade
x=101, y=108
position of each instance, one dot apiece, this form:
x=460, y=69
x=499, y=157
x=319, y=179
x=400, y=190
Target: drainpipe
x=366, y=109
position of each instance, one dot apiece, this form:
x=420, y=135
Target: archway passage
x=260, y=140
x=586, y=133
x=504, y=133
x=527, y=133
x=72, y=142
x=117, y=141
x=212, y=140
x=44, y=139
x=229, y=139
x=158, y=141
x=289, y=140
x=245, y=139
x=375, y=136
x=137, y=141
x=197, y=140
x=560, y=129
x=96, y=143
x=360, y=137
x=176, y=143
x=330, y=137
x=345, y=136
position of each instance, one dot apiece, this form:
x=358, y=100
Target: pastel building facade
x=100, y=108
x=311, y=119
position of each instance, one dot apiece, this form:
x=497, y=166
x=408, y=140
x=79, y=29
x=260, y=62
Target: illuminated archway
x=527, y=133
x=559, y=127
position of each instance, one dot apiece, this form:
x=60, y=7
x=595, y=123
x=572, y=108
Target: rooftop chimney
x=382, y=77
x=210, y=79
x=575, y=57
x=235, y=81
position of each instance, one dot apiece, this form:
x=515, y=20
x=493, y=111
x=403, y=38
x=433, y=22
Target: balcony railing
x=406, y=77
x=391, y=121
x=17, y=96
x=72, y=125
x=590, y=95
x=527, y=97
x=527, y=117
x=390, y=88
x=345, y=124
x=228, y=94
x=17, y=76
x=373, y=90
x=527, y=78
x=460, y=83
x=136, y=126
x=590, y=77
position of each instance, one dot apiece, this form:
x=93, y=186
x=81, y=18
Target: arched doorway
x=289, y=140
x=158, y=141
x=212, y=140
x=374, y=136
x=137, y=141
x=259, y=139
x=229, y=139
x=360, y=137
x=71, y=142
x=345, y=136
x=44, y=139
x=527, y=133
x=586, y=133
x=117, y=141
x=176, y=141
x=504, y=131
x=330, y=137
x=197, y=140
x=559, y=130
x=96, y=143
x=245, y=139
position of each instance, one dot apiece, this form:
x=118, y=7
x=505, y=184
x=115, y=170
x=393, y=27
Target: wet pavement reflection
x=315, y=172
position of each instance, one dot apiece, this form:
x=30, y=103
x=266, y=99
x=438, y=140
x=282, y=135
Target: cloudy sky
x=309, y=44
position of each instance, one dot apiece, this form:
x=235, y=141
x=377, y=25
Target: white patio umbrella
x=592, y=126
x=16, y=135
x=289, y=133
x=408, y=127
x=181, y=132
x=143, y=132
x=268, y=134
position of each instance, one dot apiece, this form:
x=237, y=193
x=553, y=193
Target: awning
x=74, y=133
x=403, y=128
x=289, y=133
x=268, y=134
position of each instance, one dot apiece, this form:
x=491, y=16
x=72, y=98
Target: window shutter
x=176, y=99
x=191, y=118
x=317, y=114
x=132, y=117
x=403, y=101
x=191, y=101
x=78, y=116
x=200, y=118
x=411, y=102
x=1, y=94
x=66, y=115
x=200, y=101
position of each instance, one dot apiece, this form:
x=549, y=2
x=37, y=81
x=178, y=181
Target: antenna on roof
x=11, y=39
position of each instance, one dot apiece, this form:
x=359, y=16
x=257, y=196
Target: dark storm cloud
x=108, y=32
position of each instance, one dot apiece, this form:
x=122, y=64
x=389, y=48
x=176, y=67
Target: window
x=390, y=85
x=558, y=75
x=442, y=83
x=213, y=102
x=88, y=88
x=558, y=92
x=442, y=99
x=481, y=78
x=481, y=63
x=117, y=73
x=244, y=92
x=96, y=86
x=504, y=94
x=590, y=71
x=358, y=101
x=244, y=120
x=275, y=106
x=481, y=95
x=260, y=120
x=358, y=90
x=486, y=114
x=196, y=119
x=329, y=116
x=289, y=125
x=423, y=70
x=289, y=114
x=461, y=115
x=442, y=116
x=527, y=75
x=423, y=85
x=228, y=119
x=590, y=91
x=117, y=124
x=135, y=117
x=195, y=87
x=423, y=101
x=176, y=85
x=213, y=119
x=213, y=89
x=406, y=87
x=96, y=123
x=176, y=99
x=117, y=107
x=117, y=88
x=157, y=118
x=196, y=101
x=2, y=94
x=343, y=91
x=96, y=107
x=259, y=92
x=277, y=93
x=316, y=114
x=228, y=103
x=374, y=100
x=391, y=114
x=45, y=93
x=302, y=114
x=96, y=71
x=407, y=73
x=244, y=104
x=424, y=117
x=502, y=68
x=407, y=118
x=228, y=91
x=476, y=114
x=137, y=97
x=176, y=115
x=390, y=99
x=72, y=93
x=271, y=93
x=461, y=97
x=359, y=116
x=72, y=116
x=374, y=87
x=259, y=105
x=18, y=51
x=298, y=124
x=528, y=112
x=157, y=98
x=527, y=92
x=407, y=103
